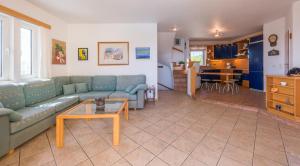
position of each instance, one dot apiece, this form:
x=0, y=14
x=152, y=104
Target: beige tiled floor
x=245, y=97
x=177, y=130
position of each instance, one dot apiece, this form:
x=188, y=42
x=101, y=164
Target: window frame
x=5, y=47
x=34, y=50
x=204, y=56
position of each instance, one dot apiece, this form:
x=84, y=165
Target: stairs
x=180, y=80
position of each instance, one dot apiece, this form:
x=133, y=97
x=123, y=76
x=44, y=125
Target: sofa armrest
x=138, y=88
x=140, y=99
x=5, y=133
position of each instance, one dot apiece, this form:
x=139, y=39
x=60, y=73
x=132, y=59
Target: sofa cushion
x=14, y=116
x=121, y=94
x=59, y=82
x=82, y=79
x=59, y=103
x=30, y=116
x=81, y=88
x=39, y=91
x=104, y=83
x=69, y=89
x=92, y=95
x=12, y=96
x=126, y=80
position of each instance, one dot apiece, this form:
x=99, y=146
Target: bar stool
x=228, y=86
x=235, y=85
x=205, y=82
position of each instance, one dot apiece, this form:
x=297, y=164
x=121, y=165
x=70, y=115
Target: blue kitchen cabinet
x=234, y=50
x=218, y=51
x=256, y=76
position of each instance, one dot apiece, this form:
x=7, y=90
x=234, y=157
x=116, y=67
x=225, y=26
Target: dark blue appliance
x=256, y=75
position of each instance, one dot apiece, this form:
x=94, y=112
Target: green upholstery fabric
x=82, y=79
x=30, y=116
x=121, y=94
x=39, y=91
x=137, y=88
x=81, y=87
x=59, y=82
x=12, y=96
x=14, y=116
x=92, y=95
x=59, y=103
x=140, y=99
x=104, y=83
x=126, y=80
x=130, y=88
x=26, y=134
x=4, y=134
x=69, y=89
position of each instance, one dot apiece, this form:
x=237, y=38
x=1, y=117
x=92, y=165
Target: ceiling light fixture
x=174, y=29
x=217, y=34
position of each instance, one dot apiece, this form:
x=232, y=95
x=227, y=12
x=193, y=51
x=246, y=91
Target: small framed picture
x=83, y=54
x=142, y=52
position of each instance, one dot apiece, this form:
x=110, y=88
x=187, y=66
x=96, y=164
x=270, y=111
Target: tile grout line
x=109, y=145
x=255, y=139
x=206, y=134
x=79, y=145
x=50, y=147
x=228, y=138
x=284, y=147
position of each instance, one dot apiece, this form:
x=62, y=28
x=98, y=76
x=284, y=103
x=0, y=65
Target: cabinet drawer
x=276, y=81
x=282, y=98
x=284, y=107
x=282, y=90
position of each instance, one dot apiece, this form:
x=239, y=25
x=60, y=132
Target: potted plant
x=181, y=63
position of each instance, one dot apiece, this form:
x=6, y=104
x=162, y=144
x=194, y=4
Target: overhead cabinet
x=225, y=51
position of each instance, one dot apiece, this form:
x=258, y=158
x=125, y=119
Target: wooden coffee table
x=88, y=110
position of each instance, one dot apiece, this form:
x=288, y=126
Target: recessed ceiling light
x=174, y=29
x=218, y=34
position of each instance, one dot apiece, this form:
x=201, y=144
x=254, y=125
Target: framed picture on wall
x=142, y=52
x=113, y=53
x=59, y=52
x=83, y=54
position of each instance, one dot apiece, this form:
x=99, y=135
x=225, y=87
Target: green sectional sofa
x=30, y=108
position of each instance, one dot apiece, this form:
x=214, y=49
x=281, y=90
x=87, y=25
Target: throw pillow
x=14, y=116
x=81, y=87
x=69, y=89
x=129, y=88
x=1, y=105
x=137, y=88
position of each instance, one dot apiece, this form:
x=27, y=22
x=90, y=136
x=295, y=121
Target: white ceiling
x=193, y=18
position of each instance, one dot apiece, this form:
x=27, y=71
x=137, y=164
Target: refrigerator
x=256, y=75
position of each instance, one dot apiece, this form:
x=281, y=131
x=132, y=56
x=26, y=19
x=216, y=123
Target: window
x=28, y=59
x=18, y=49
x=26, y=51
x=1, y=51
x=4, y=42
x=198, y=56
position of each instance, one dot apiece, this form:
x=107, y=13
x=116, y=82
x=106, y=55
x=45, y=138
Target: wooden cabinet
x=283, y=96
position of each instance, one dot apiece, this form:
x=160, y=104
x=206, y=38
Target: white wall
x=165, y=41
x=58, y=31
x=296, y=35
x=87, y=36
x=275, y=65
